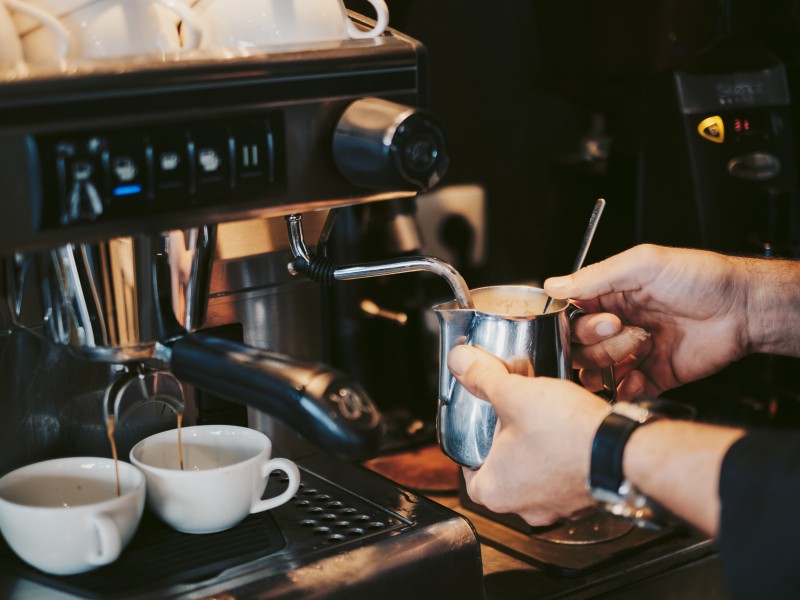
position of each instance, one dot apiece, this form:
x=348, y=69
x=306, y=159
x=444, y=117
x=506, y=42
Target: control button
x=250, y=157
x=209, y=160
x=168, y=162
x=128, y=172
x=212, y=148
x=116, y=173
x=80, y=165
x=125, y=169
x=171, y=167
x=254, y=151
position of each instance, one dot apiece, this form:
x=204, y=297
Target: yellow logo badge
x=712, y=129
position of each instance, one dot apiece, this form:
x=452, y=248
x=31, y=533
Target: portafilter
x=139, y=300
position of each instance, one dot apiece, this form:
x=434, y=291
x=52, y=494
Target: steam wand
x=323, y=270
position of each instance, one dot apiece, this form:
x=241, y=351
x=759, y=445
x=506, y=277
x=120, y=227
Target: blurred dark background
x=546, y=106
x=550, y=105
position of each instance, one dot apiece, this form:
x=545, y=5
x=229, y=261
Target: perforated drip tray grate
x=332, y=519
x=160, y=560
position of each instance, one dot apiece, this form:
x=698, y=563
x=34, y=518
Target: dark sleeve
x=759, y=531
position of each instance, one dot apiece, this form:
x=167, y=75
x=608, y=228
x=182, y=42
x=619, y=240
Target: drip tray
x=324, y=522
x=159, y=557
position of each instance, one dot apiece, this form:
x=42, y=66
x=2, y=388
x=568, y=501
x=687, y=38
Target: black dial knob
x=388, y=146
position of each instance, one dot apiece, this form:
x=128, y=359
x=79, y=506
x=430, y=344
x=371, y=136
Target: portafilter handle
x=323, y=405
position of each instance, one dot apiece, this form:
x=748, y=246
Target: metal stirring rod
x=587, y=240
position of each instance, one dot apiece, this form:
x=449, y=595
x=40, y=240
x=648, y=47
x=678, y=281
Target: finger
x=483, y=488
x=539, y=518
x=477, y=370
x=631, y=340
x=635, y=384
x=623, y=272
x=613, y=350
x=629, y=386
x=591, y=379
x=594, y=328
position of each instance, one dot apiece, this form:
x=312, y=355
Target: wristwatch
x=607, y=483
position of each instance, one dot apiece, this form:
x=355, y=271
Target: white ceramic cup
x=11, y=55
x=244, y=24
x=102, y=29
x=225, y=474
x=63, y=516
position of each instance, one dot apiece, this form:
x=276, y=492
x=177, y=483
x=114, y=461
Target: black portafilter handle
x=323, y=405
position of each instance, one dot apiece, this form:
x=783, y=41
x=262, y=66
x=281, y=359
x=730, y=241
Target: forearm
x=773, y=305
x=677, y=464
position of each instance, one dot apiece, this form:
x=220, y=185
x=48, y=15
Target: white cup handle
x=292, y=472
x=190, y=20
x=380, y=23
x=110, y=542
x=48, y=21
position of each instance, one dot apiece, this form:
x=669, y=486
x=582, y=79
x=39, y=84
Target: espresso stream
x=110, y=432
x=180, y=442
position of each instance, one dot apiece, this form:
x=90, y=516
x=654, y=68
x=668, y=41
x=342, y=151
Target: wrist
x=772, y=306
x=608, y=484
x=677, y=464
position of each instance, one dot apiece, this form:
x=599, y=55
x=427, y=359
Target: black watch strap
x=609, y=444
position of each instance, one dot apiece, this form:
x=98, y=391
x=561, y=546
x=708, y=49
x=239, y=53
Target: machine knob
x=384, y=145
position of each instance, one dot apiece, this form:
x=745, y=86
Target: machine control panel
x=127, y=149
x=114, y=174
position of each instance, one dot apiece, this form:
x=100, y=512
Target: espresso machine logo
x=713, y=129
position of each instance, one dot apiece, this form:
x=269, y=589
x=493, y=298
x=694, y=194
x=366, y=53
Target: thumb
x=478, y=371
x=623, y=272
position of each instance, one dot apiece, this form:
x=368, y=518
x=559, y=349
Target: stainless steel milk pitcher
x=507, y=321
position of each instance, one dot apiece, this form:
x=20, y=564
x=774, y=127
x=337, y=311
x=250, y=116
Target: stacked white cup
x=235, y=26
x=12, y=62
x=104, y=29
x=53, y=33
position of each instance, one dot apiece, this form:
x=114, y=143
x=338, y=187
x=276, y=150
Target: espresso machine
x=145, y=246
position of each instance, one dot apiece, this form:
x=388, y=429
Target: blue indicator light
x=127, y=190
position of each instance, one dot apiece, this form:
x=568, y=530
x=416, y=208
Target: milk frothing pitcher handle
x=609, y=391
x=323, y=405
x=608, y=375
